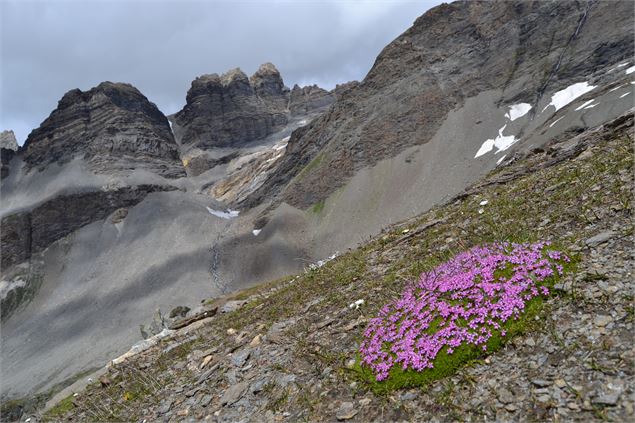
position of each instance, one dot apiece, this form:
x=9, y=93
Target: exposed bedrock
x=232, y=109
x=112, y=126
x=29, y=232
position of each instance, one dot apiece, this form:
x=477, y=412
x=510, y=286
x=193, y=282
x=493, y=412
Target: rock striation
x=232, y=109
x=113, y=127
x=453, y=52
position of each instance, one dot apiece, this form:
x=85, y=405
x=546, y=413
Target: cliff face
x=112, y=127
x=305, y=99
x=453, y=52
x=8, y=147
x=232, y=110
x=8, y=141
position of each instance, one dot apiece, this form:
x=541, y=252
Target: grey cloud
x=50, y=47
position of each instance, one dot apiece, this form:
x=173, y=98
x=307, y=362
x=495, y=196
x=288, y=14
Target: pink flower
x=465, y=300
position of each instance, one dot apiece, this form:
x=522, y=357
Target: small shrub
x=460, y=309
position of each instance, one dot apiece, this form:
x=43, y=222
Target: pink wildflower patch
x=463, y=301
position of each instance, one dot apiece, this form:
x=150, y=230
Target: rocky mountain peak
x=267, y=81
x=311, y=97
x=234, y=76
x=8, y=140
x=112, y=122
x=233, y=110
x=8, y=148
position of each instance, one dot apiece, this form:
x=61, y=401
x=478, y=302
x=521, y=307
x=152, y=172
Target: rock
x=206, y=361
x=258, y=386
x=307, y=99
x=228, y=110
x=541, y=383
x=8, y=150
x=197, y=161
x=256, y=341
x=232, y=305
x=240, y=358
x=543, y=398
x=231, y=331
x=119, y=215
x=165, y=406
x=112, y=126
x=6, y=155
x=602, y=321
x=205, y=400
x=8, y=140
x=179, y=311
x=600, y=238
x=608, y=398
x=234, y=393
x=203, y=377
x=346, y=411
x=505, y=396
x=158, y=323
x=365, y=401
x=232, y=109
x=409, y=396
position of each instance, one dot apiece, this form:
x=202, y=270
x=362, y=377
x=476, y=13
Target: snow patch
x=563, y=97
x=499, y=161
x=616, y=88
x=485, y=148
x=591, y=106
x=228, y=214
x=624, y=95
x=630, y=70
x=320, y=263
x=501, y=142
x=484, y=202
x=7, y=286
x=518, y=110
x=586, y=103
x=556, y=121
x=256, y=232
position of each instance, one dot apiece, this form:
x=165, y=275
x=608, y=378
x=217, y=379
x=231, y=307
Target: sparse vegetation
x=517, y=211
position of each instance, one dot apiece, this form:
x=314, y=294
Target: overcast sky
x=52, y=46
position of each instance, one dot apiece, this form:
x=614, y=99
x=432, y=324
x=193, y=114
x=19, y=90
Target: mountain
x=232, y=109
x=499, y=54
x=112, y=126
x=112, y=210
